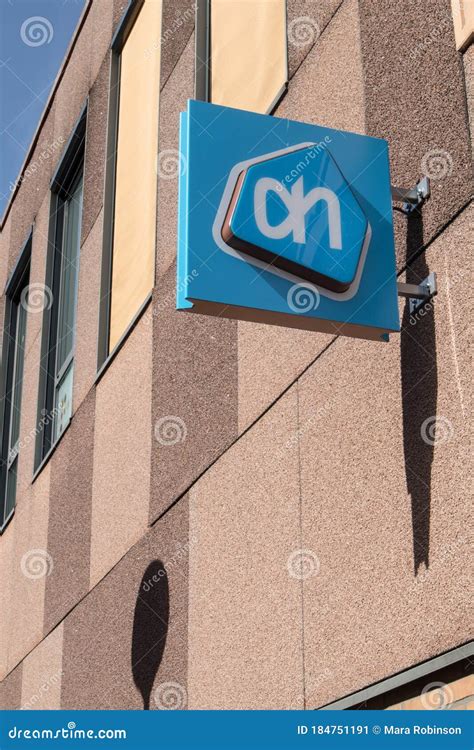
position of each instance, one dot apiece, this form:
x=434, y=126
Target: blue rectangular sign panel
x=286, y=223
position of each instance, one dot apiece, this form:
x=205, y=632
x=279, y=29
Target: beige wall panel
x=463, y=19
x=468, y=59
x=271, y=358
x=6, y=593
x=10, y=690
x=307, y=19
x=122, y=452
x=173, y=100
x=244, y=608
x=385, y=511
x=30, y=565
x=458, y=695
x=87, y=315
x=135, y=197
x=42, y=673
x=328, y=88
x=248, y=52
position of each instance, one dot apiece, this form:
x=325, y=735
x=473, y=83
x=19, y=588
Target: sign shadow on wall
x=419, y=385
x=150, y=628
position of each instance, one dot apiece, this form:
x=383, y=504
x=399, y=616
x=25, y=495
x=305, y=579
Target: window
x=443, y=682
x=130, y=203
x=12, y=381
x=241, y=53
x=60, y=293
x=463, y=19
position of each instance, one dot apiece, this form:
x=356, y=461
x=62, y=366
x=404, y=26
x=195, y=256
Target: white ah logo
x=298, y=204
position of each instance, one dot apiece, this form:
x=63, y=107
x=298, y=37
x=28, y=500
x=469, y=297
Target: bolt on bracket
x=412, y=198
x=418, y=294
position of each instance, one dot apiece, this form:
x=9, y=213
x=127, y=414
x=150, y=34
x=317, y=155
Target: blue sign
x=286, y=223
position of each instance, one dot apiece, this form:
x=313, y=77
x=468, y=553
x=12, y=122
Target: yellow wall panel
x=133, y=261
x=463, y=19
x=248, y=52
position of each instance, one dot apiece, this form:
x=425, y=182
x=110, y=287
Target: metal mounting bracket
x=418, y=294
x=412, y=198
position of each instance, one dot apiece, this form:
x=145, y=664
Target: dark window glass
x=62, y=274
x=12, y=381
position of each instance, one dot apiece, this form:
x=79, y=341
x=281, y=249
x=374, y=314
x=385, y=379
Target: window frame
x=203, y=56
x=18, y=282
x=427, y=670
x=70, y=169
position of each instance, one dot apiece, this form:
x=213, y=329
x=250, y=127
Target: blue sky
x=34, y=36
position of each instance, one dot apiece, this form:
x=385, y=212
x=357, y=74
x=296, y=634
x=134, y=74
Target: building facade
x=204, y=513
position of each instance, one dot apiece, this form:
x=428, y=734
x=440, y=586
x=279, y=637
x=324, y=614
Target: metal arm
x=412, y=197
x=418, y=294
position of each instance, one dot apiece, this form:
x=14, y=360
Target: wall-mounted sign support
x=412, y=198
x=418, y=294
